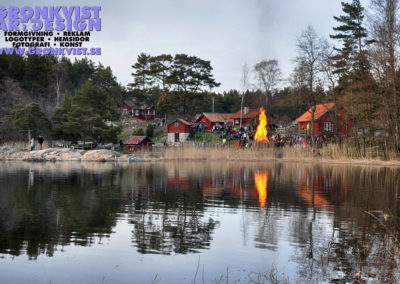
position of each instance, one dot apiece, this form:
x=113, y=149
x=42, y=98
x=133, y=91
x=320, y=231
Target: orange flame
x=261, y=181
x=261, y=132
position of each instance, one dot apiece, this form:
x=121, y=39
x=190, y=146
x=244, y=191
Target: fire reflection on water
x=261, y=182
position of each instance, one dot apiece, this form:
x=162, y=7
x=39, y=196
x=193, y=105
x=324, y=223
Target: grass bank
x=332, y=153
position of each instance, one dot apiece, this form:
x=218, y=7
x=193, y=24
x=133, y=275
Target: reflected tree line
x=360, y=242
x=343, y=221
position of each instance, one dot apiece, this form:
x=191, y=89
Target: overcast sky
x=229, y=33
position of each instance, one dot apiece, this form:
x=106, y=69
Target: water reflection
x=261, y=181
x=336, y=223
x=312, y=187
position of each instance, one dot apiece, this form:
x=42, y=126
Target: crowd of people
x=245, y=136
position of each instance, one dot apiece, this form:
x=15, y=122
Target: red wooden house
x=178, y=130
x=137, y=143
x=132, y=108
x=249, y=117
x=211, y=119
x=328, y=120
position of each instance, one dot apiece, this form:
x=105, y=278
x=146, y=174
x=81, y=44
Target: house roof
x=132, y=103
x=197, y=116
x=253, y=113
x=215, y=117
x=182, y=121
x=227, y=116
x=135, y=140
x=320, y=110
x=129, y=103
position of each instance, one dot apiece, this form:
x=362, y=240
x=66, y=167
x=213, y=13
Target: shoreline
x=305, y=160
x=183, y=155
x=67, y=155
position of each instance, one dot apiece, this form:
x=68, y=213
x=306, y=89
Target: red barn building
x=137, y=143
x=178, y=130
x=249, y=117
x=327, y=121
x=211, y=119
x=132, y=108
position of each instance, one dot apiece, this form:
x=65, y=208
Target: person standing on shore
x=99, y=141
x=40, y=141
x=33, y=144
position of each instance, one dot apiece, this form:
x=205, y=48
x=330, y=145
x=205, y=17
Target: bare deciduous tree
x=311, y=53
x=60, y=73
x=385, y=33
x=268, y=75
x=245, y=83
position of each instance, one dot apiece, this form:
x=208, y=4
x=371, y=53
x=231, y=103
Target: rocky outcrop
x=100, y=155
x=51, y=154
x=66, y=154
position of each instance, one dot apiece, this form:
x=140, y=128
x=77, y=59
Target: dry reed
x=331, y=153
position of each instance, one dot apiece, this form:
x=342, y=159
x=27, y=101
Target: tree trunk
x=241, y=111
x=58, y=91
x=312, y=125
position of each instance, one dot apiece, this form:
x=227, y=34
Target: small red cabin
x=327, y=121
x=211, y=119
x=249, y=117
x=137, y=143
x=132, y=108
x=178, y=130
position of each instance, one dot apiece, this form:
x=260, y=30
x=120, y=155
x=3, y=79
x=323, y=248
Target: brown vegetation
x=332, y=153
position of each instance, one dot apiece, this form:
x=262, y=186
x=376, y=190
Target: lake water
x=198, y=222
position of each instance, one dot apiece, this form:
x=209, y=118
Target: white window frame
x=328, y=126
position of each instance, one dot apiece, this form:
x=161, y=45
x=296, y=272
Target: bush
x=149, y=130
x=138, y=132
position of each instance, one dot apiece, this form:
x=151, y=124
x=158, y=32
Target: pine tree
x=352, y=66
x=142, y=79
x=105, y=79
x=351, y=32
x=82, y=116
x=37, y=73
x=29, y=119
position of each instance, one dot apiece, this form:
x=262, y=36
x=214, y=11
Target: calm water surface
x=110, y=223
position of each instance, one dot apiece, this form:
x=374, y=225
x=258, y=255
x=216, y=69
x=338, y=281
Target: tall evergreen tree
x=142, y=79
x=37, y=73
x=16, y=67
x=184, y=78
x=82, y=116
x=81, y=71
x=29, y=119
x=105, y=79
x=351, y=32
x=190, y=76
x=3, y=66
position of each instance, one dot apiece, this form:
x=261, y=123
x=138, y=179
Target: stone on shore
x=66, y=154
x=50, y=154
x=100, y=155
x=62, y=154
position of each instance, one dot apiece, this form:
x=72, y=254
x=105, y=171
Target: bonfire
x=261, y=132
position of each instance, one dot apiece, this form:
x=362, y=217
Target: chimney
x=246, y=110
